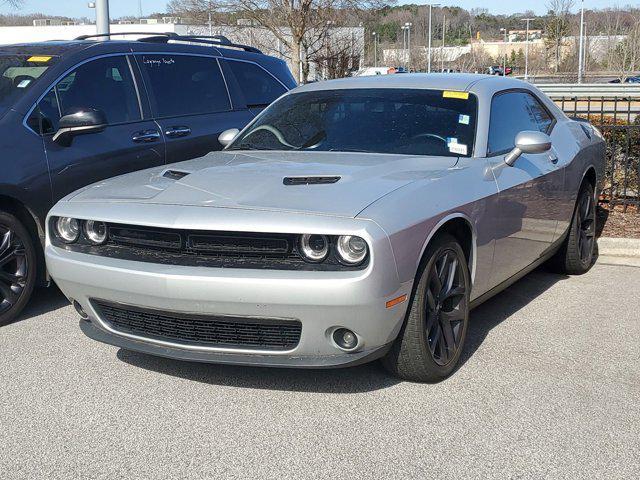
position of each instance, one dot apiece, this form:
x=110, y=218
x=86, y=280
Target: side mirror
x=80, y=122
x=226, y=137
x=528, y=141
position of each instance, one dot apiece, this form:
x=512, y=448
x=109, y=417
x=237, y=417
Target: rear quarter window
x=259, y=87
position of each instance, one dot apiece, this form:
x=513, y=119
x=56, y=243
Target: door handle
x=177, y=131
x=146, y=136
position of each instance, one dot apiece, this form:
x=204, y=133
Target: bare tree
x=299, y=25
x=557, y=26
x=12, y=3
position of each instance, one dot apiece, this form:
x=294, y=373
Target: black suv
x=76, y=112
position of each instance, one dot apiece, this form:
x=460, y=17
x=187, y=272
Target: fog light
x=345, y=339
x=80, y=310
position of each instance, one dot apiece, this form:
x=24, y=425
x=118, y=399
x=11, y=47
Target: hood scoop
x=313, y=180
x=174, y=174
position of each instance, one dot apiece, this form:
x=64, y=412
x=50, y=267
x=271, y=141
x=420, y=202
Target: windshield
x=18, y=73
x=407, y=121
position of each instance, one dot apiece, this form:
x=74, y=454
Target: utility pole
x=102, y=18
x=526, y=51
x=408, y=25
x=210, y=26
x=580, y=47
x=139, y=9
x=431, y=5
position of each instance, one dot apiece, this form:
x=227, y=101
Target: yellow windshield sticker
x=39, y=58
x=452, y=94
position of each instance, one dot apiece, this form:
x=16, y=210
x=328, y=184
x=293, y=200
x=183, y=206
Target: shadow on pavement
x=497, y=309
x=43, y=300
x=358, y=379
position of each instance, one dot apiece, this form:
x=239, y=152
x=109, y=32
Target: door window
x=257, y=85
x=184, y=84
x=511, y=113
x=104, y=84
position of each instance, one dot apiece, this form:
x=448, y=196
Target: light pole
x=580, y=47
x=375, y=49
x=408, y=25
x=431, y=5
x=504, y=56
x=444, y=25
x=102, y=18
x=526, y=51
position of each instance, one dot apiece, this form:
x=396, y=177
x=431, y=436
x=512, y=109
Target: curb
x=619, y=247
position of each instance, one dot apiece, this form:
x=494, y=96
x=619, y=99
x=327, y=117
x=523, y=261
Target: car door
x=525, y=209
x=128, y=143
x=190, y=102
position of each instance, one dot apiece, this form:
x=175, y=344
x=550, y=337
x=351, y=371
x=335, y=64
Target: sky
x=119, y=8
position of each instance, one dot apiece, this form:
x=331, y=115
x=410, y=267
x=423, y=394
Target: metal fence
x=618, y=118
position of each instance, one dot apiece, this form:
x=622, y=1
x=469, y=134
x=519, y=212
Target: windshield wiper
x=350, y=150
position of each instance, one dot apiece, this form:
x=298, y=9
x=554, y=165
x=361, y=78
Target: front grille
x=201, y=330
x=203, y=248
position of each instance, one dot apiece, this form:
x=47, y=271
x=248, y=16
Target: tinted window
x=512, y=113
x=414, y=122
x=185, y=85
x=104, y=84
x=258, y=86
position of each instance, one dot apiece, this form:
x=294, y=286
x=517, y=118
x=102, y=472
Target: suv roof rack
x=165, y=37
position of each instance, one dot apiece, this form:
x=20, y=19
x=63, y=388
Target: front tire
x=576, y=255
x=17, y=267
x=431, y=341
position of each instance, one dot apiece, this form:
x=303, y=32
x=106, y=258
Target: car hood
x=256, y=180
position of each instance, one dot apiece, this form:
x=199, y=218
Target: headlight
x=95, y=231
x=351, y=249
x=68, y=229
x=314, y=248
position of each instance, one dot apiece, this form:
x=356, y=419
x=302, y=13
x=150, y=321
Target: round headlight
x=68, y=229
x=314, y=248
x=352, y=249
x=95, y=231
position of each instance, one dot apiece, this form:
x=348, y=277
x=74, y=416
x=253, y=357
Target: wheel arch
x=461, y=227
x=30, y=220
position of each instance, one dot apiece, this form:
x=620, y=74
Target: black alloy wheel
x=446, y=306
x=17, y=267
x=586, y=222
x=431, y=341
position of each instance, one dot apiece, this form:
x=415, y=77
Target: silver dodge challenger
x=353, y=220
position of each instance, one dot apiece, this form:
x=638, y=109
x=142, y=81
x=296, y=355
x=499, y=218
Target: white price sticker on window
x=457, y=148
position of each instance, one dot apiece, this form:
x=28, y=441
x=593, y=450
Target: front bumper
x=321, y=301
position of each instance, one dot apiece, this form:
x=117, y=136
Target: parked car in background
x=354, y=219
x=626, y=80
x=75, y=112
x=498, y=70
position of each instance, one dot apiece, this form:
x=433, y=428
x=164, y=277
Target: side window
x=105, y=84
x=258, y=86
x=512, y=113
x=185, y=85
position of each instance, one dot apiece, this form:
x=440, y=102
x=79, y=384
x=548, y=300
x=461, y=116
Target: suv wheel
x=17, y=267
x=430, y=343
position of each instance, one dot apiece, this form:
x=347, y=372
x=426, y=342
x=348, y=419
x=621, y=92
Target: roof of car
x=52, y=47
x=435, y=81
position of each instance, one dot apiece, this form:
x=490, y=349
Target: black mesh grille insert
x=201, y=330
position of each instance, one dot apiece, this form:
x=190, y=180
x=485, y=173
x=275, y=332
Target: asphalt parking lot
x=549, y=388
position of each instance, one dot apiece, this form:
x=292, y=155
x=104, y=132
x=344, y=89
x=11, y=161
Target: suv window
x=258, y=86
x=511, y=113
x=185, y=85
x=105, y=84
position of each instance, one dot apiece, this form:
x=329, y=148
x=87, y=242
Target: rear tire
x=431, y=341
x=576, y=255
x=18, y=267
